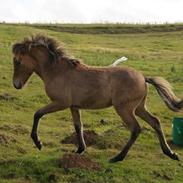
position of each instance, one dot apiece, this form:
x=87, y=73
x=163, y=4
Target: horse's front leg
x=52, y=107
x=79, y=129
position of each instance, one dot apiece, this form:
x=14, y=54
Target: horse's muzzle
x=17, y=84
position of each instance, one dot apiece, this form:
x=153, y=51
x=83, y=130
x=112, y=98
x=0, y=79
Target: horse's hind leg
x=126, y=112
x=79, y=129
x=155, y=124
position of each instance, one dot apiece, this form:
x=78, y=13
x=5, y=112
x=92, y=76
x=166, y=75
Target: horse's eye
x=17, y=62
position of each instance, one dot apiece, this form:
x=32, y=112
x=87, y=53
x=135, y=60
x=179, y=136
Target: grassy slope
x=110, y=28
x=155, y=54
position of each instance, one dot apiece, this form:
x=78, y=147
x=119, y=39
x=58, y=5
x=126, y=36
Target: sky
x=91, y=11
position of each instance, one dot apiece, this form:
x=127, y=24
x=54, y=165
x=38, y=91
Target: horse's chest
x=57, y=91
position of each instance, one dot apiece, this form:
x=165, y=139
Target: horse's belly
x=94, y=102
x=95, y=105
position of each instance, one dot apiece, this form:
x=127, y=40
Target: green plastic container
x=177, y=131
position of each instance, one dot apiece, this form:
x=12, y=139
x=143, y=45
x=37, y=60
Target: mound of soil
x=90, y=137
x=111, y=139
x=78, y=161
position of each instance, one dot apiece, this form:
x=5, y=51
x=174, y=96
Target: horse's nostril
x=17, y=84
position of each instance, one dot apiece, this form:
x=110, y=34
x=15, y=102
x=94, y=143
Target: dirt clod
x=90, y=137
x=78, y=161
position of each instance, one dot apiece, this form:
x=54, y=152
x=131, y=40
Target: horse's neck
x=48, y=71
x=40, y=70
x=42, y=60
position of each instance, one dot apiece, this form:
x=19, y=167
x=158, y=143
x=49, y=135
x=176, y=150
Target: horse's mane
x=54, y=48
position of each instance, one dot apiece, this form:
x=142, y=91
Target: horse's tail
x=164, y=89
x=118, y=61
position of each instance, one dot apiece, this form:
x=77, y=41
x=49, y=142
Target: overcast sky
x=91, y=11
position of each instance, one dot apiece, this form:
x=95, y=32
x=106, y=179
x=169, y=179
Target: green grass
x=155, y=53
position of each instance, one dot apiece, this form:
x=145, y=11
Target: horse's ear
x=19, y=48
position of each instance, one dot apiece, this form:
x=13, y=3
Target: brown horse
x=72, y=84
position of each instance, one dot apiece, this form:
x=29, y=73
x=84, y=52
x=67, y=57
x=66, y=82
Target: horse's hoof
x=112, y=160
x=36, y=140
x=119, y=157
x=80, y=150
x=174, y=156
x=115, y=159
x=39, y=145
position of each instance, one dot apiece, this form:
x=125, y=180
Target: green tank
x=177, y=131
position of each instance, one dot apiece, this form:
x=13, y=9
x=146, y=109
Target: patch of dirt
x=74, y=160
x=6, y=139
x=17, y=128
x=90, y=137
x=111, y=138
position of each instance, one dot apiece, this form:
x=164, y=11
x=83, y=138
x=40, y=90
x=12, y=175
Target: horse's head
x=31, y=54
x=24, y=65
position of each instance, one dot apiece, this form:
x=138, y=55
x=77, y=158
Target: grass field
x=155, y=53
